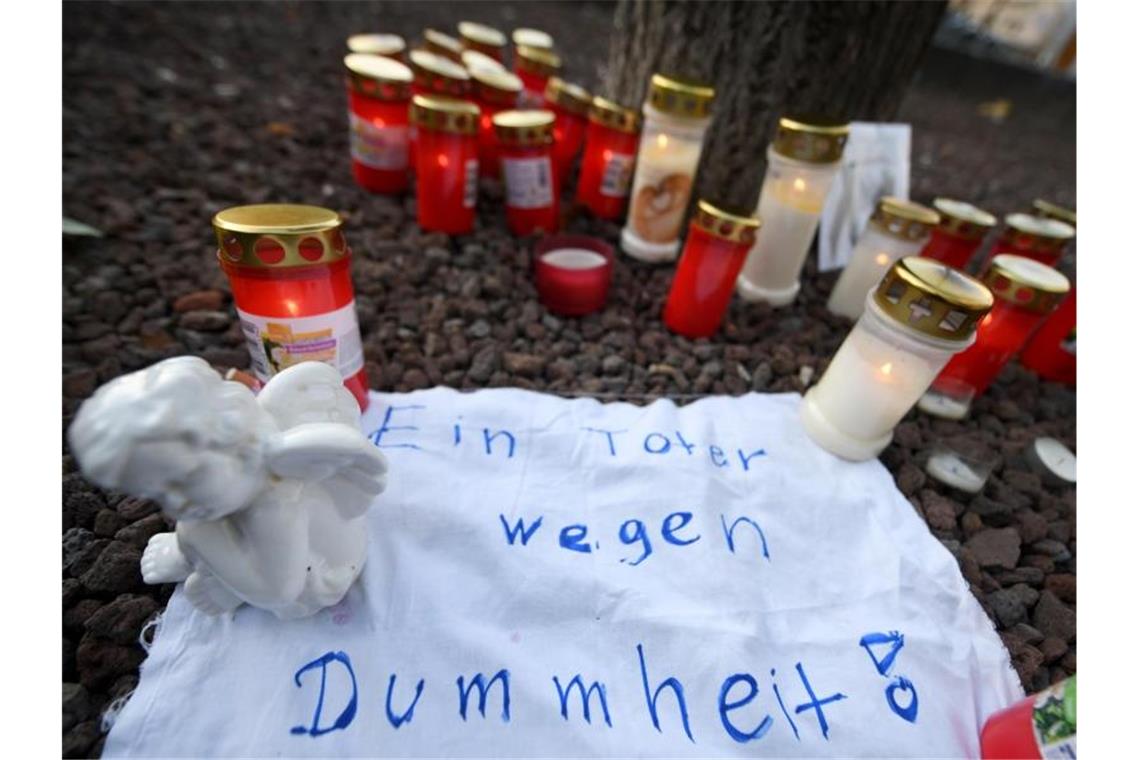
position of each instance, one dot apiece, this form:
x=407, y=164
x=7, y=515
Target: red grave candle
x=447, y=163
x=379, y=91
x=535, y=66
x=288, y=267
x=1035, y=237
x=435, y=75
x=525, y=139
x=1038, y=726
x=960, y=229
x=485, y=39
x=607, y=159
x=714, y=252
x=1025, y=291
x=442, y=44
x=572, y=273
x=388, y=45
x=571, y=105
x=495, y=91
x=1052, y=351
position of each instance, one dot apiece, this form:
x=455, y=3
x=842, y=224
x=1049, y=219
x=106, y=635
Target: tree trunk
x=850, y=60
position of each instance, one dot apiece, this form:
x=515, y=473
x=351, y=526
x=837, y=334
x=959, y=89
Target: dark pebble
x=116, y=569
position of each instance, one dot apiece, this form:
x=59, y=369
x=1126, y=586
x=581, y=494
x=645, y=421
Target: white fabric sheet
x=715, y=546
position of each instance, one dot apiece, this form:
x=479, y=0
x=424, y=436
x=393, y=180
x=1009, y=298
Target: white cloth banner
x=552, y=577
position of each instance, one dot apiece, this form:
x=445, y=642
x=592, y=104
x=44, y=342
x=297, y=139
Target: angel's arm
x=352, y=470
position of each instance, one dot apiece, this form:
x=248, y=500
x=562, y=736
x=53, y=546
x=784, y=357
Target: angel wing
x=309, y=392
x=341, y=459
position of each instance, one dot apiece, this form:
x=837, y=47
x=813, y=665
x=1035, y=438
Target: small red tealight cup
x=534, y=67
x=447, y=163
x=714, y=252
x=959, y=231
x=571, y=106
x=495, y=91
x=388, y=45
x=379, y=91
x=607, y=160
x=1036, y=237
x=486, y=39
x=572, y=273
x=525, y=139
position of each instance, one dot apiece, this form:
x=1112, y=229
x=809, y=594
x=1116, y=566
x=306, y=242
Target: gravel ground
x=173, y=111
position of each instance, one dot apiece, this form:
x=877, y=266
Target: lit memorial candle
x=1025, y=291
x=485, y=39
x=922, y=313
x=379, y=92
x=494, y=91
x=802, y=162
x=570, y=104
x=443, y=44
x=676, y=115
x=447, y=164
x=525, y=139
x=607, y=158
x=1052, y=351
x=1036, y=237
x=898, y=228
x=959, y=232
x=715, y=249
x=433, y=74
x=535, y=66
x=387, y=45
x=288, y=267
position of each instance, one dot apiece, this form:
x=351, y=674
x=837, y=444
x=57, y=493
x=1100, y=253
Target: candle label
x=277, y=343
x=378, y=147
x=617, y=174
x=1055, y=720
x=528, y=181
x=470, y=182
x=659, y=203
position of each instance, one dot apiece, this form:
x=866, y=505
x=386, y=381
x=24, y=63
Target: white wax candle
x=1054, y=460
x=574, y=258
x=662, y=184
x=874, y=254
x=944, y=406
x=948, y=468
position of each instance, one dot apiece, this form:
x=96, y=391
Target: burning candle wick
x=886, y=368
x=882, y=259
x=662, y=141
x=799, y=185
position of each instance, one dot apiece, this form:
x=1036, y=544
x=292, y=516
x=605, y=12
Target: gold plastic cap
x=1053, y=211
x=1036, y=233
x=1025, y=282
x=378, y=77
x=962, y=219
x=440, y=114
x=811, y=139
x=532, y=38
x=478, y=36
x=677, y=97
x=725, y=225
x=904, y=219
x=541, y=62
x=932, y=298
x=524, y=128
x=473, y=60
x=439, y=75
x=279, y=235
x=443, y=44
x=500, y=87
x=612, y=115
x=568, y=95
x=377, y=44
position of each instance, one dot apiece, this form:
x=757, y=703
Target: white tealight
x=1054, y=460
x=944, y=406
x=948, y=468
x=574, y=258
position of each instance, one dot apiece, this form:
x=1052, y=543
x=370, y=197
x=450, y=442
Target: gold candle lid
x=524, y=128
x=440, y=114
x=726, y=225
x=612, y=115
x=532, y=38
x=391, y=45
x=443, y=44
x=815, y=140
x=378, y=77
x=1025, y=283
x=963, y=219
x=932, y=298
x=538, y=61
x=476, y=36
x=1053, y=211
x=499, y=87
x=1036, y=233
x=904, y=219
x=677, y=97
x=568, y=95
x=473, y=59
x=279, y=235
x=439, y=75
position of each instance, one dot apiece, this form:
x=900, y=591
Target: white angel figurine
x=269, y=492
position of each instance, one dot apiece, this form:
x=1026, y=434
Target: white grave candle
x=947, y=467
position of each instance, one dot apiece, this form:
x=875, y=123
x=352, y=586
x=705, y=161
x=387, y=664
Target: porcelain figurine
x=269, y=492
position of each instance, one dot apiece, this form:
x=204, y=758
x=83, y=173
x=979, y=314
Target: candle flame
x=799, y=185
x=291, y=306
x=442, y=160
x=886, y=368
x=662, y=141
x=882, y=259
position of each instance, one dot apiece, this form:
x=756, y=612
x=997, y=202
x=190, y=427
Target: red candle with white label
x=288, y=267
x=525, y=139
x=1025, y=291
x=1052, y=351
x=1036, y=237
x=495, y=91
x=447, y=163
x=535, y=66
x=715, y=250
x=959, y=231
x=607, y=159
x=571, y=105
x=379, y=91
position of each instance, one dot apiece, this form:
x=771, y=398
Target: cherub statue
x=269, y=492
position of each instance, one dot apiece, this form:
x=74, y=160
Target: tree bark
x=848, y=60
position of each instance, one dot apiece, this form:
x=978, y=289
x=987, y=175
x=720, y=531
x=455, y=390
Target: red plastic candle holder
x=525, y=139
x=434, y=74
x=1035, y=237
x=1052, y=351
x=960, y=230
x=1020, y=729
x=572, y=273
x=714, y=252
x=607, y=159
x=1025, y=291
x=485, y=39
x=288, y=267
x=379, y=91
x=535, y=66
x=447, y=163
x=495, y=91
x=571, y=106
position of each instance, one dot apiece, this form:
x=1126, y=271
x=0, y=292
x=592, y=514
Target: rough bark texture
x=849, y=60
